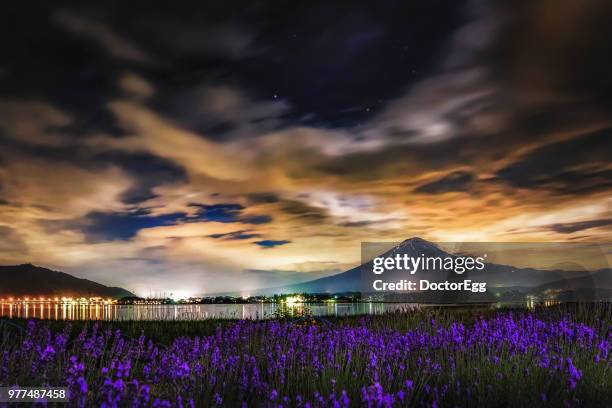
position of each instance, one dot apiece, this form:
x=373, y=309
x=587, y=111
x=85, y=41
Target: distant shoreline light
x=61, y=300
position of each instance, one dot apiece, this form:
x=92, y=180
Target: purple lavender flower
x=279, y=363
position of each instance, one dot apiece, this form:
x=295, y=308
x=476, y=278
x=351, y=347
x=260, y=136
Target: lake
x=68, y=311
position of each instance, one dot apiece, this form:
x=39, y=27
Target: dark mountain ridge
x=31, y=280
x=494, y=274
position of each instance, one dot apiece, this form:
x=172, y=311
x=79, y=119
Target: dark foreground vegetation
x=547, y=356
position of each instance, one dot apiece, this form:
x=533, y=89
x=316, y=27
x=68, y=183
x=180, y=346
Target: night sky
x=198, y=147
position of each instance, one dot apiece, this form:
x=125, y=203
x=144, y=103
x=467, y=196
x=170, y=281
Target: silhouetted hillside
x=494, y=274
x=31, y=280
x=595, y=286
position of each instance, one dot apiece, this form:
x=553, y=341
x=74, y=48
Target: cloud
x=304, y=212
x=40, y=192
x=576, y=166
x=33, y=122
x=56, y=190
x=370, y=223
x=113, y=43
x=236, y=235
x=146, y=171
x=136, y=86
x=554, y=54
x=12, y=243
x=223, y=112
x=461, y=98
x=571, y=227
x=219, y=212
x=263, y=198
x=449, y=105
x=453, y=182
x=149, y=132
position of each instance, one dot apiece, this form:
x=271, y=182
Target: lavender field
x=554, y=356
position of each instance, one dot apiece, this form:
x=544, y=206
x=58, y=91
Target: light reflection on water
x=69, y=311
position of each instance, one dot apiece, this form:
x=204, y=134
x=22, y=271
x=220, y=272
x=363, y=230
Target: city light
x=60, y=300
x=294, y=299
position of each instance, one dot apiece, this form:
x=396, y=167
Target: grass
x=165, y=331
